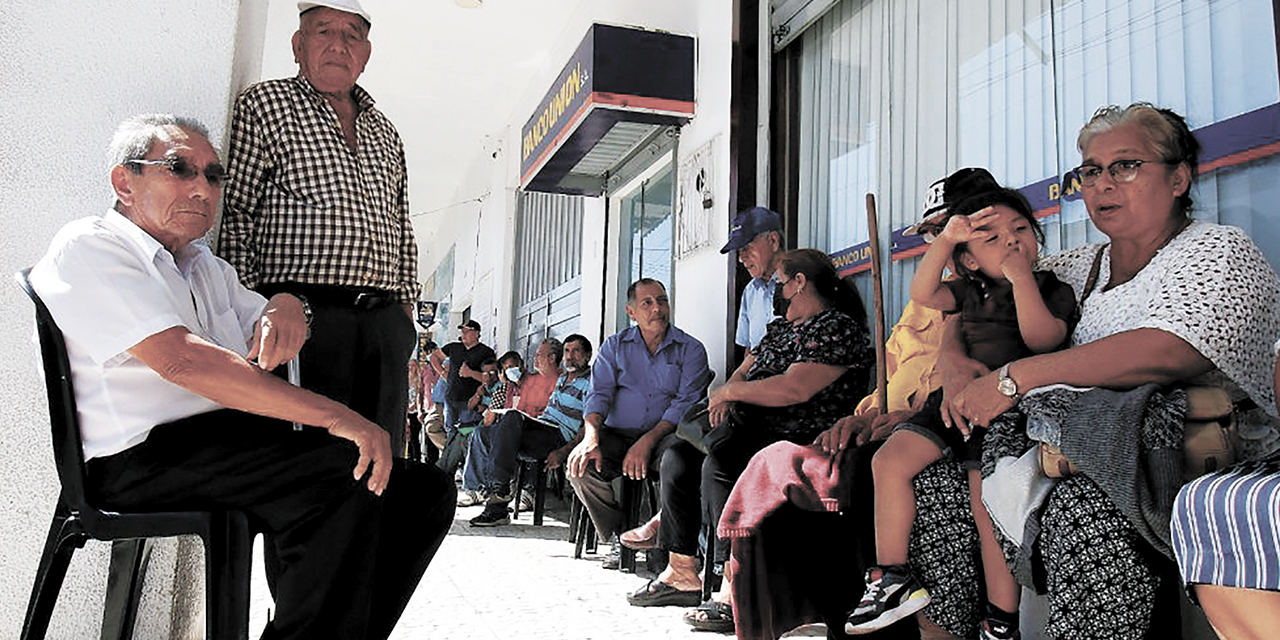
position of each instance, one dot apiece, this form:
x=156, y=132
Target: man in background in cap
x=756, y=235
x=316, y=205
x=465, y=359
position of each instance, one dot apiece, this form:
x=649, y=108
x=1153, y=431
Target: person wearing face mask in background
x=491, y=458
x=511, y=370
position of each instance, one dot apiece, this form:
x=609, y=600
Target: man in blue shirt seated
x=756, y=236
x=171, y=358
x=643, y=381
x=491, y=461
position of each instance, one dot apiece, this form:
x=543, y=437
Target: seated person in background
x=536, y=387
x=1225, y=538
x=1005, y=310
x=794, y=499
x=421, y=379
x=644, y=380
x=491, y=460
x=433, y=423
x=807, y=371
x=511, y=371
x=492, y=392
x=171, y=358
x=756, y=237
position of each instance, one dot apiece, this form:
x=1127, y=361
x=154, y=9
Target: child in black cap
x=991, y=238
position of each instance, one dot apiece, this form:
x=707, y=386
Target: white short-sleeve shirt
x=109, y=285
x=1210, y=286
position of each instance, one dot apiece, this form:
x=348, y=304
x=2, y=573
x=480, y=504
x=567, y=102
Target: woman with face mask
x=806, y=373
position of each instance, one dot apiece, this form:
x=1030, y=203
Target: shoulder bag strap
x=1092, y=280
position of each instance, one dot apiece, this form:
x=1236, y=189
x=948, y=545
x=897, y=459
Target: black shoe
x=494, y=515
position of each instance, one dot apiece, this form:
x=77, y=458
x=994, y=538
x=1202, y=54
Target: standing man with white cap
x=317, y=206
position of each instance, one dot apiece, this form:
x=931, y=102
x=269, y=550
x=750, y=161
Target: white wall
x=701, y=300
x=71, y=72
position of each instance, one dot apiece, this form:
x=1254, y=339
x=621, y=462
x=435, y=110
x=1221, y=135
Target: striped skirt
x=1226, y=527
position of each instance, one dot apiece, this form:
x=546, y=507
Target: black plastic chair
x=524, y=464
x=226, y=535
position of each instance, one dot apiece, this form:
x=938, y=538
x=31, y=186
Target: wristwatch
x=306, y=311
x=1006, y=385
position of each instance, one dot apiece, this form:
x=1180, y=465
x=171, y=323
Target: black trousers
x=358, y=357
x=346, y=561
x=695, y=487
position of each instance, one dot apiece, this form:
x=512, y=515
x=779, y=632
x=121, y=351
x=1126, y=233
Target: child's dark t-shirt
x=989, y=321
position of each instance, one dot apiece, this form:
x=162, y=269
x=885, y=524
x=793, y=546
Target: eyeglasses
x=1121, y=171
x=183, y=169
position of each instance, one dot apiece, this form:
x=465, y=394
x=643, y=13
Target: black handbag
x=695, y=428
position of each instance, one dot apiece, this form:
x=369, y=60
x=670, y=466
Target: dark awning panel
x=620, y=87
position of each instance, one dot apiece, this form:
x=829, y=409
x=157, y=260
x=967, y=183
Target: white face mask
x=570, y=368
x=513, y=374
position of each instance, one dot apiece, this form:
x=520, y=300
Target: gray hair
x=557, y=348
x=134, y=137
x=1167, y=134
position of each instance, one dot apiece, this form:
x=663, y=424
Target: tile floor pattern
x=520, y=581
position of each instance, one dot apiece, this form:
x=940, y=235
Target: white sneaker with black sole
x=890, y=597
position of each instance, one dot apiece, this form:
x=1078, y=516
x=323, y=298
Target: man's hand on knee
x=375, y=449
x=586, y=453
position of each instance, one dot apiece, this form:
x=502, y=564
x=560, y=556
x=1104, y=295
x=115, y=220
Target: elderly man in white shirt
x=171, y=358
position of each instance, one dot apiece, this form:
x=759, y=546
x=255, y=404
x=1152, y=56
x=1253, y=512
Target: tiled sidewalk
x=520, y=581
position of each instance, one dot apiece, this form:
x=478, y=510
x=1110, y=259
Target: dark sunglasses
x=183, y=169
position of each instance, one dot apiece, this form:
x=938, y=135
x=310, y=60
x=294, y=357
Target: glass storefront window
x=894, y=94
x=647, y=230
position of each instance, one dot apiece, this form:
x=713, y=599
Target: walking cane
x=882, y=376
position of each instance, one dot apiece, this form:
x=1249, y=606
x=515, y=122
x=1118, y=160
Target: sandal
x=716, y=616
x=661, y=594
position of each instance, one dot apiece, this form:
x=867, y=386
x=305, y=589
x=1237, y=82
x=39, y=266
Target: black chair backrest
x=64, y=421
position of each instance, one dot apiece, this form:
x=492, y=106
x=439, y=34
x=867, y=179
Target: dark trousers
x=346, y=561
x=360, y=358
x=413, y=450
x=595, y=488
x=712, y=478
x=493, y=450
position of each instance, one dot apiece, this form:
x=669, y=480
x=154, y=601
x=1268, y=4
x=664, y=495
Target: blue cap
x=748, y=225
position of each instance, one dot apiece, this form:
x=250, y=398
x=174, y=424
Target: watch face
x=1007, y=387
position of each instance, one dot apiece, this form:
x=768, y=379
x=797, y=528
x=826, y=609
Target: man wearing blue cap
x=756, y=235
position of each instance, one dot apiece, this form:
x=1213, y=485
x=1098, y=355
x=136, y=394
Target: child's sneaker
x=890, y=597
x=995, y=630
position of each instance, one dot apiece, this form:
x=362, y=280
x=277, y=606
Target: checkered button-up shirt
x=300, y=206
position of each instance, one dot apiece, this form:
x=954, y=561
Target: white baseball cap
x=349, y=6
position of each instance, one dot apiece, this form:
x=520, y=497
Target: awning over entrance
x=620, y=87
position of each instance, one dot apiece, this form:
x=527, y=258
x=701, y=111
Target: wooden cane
x=882, y=376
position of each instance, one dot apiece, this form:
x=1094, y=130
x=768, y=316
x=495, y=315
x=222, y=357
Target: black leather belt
x=319, y=295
